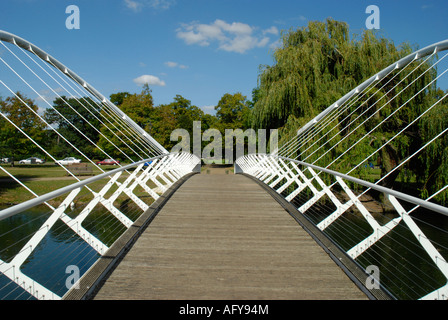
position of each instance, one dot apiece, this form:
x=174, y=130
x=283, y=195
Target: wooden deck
x=223, y=237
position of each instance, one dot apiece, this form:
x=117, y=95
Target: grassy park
x=42, y=179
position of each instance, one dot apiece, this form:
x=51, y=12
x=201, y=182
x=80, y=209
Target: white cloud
x=272, y=30
x=172, y=64
x=236, y=27
x=276, y=44
x=138, y=5
x=233, y=37
x=133, y=5
x=149, y=79
x=191, y=36
x=161, y=4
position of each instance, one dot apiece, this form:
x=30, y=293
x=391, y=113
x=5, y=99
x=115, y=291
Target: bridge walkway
x=222, y=236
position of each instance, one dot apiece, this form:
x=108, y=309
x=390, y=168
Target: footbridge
x=317, y=218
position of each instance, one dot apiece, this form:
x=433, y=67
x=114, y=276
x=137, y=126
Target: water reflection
x=60, y=248
x=406, y=270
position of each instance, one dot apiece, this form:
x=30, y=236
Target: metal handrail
x=6, y=213
x=281, y=174
x=169, y=168
x=400, y=195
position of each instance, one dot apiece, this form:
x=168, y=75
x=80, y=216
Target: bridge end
x=197, y=168
x=237, y=169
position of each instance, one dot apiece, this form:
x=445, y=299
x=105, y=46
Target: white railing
x=343, y=215
x=55, y=230
x=92, y=214
x=343, y=168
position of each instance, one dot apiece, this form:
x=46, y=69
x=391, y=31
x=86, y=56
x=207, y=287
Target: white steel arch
x=22, y=43
x=122, y=194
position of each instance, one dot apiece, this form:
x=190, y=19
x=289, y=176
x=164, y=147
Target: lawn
x=43, y=171
x=42, y=179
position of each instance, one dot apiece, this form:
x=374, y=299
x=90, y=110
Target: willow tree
x=318, y=64
x=315, y=66
x=433, y=162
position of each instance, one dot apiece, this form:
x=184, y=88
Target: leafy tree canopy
x=22, y=112
x=315, y=66
x=318, y=64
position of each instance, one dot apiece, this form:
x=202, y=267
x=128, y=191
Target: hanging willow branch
x=318, y=64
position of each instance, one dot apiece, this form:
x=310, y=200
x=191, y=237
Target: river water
x=48, y=264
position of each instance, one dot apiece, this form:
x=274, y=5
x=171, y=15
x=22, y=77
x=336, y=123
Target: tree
x=22, y=112
x=433, y=161
x=318, y=64
x=255, y=97
x=139, y=107
x=115, y=139
x=233, y=111
x=118, y=98
x=164, y=122
x=315, y=66
x=233, y=114
x=186, y=114
x=76, y=121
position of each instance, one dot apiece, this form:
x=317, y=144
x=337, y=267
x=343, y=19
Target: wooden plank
x=221, y=236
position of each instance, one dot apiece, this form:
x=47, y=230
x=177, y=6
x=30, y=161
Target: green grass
x=42, y=179
x=45, y=170
x=33, y=171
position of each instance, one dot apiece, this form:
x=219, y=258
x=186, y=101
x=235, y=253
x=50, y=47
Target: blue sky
x=200, y=49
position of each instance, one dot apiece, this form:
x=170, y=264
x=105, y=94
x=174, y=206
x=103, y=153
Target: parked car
x=32, y=160
x=108, y=162
x=68, y=161
x=5, y=160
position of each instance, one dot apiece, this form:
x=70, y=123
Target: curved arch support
x=26, y=45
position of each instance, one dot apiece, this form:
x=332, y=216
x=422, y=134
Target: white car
x=68, y=161
x=32, y=160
